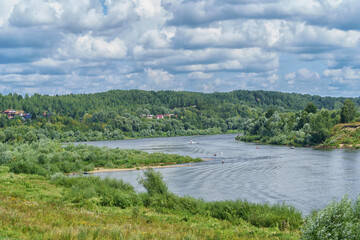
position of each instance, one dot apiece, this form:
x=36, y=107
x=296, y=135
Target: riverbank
x=169, y=165
x=34, y=207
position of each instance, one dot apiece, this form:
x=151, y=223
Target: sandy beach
x=99, y=170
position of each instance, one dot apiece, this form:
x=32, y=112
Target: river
x=303, y=177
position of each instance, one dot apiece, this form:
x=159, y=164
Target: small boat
x=257, y=147
x=292, y=147
x=191, y=142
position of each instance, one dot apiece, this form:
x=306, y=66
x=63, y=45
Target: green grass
x=34, y=207
x=346, y=135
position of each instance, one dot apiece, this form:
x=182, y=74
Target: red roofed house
x=10, y=113
x=159, y=116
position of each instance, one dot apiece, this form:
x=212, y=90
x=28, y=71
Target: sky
x=86, y=46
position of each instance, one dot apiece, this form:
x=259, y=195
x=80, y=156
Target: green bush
x=339, y=220
x=84, y=191
x=153, y=183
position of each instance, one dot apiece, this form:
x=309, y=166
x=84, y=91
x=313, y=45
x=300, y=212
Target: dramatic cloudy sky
x=67, y=46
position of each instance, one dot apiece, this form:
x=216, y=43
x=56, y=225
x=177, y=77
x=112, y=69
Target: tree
x=348, y=111
x=269, y=113
x=310, y=108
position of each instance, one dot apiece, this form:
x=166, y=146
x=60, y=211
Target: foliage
x=303, y=128
x=89, y=191
x=261, y=215
x=346, y=135
x=348, y=111
x=153, y=183
x=34, y=208
x=119, y=114
x=310, y=108
x=339, y=220
x=46, y=157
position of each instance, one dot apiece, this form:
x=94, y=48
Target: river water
x=303, y=177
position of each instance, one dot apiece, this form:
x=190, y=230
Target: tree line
x=118, y=114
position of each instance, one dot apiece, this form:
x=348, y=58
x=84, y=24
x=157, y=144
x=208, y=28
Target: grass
x=33, y=207
x=345, y=135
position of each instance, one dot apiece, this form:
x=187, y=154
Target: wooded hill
x=118, y=114
x=76, y=105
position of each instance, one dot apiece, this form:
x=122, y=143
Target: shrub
x=153, y=183
x=339, y=220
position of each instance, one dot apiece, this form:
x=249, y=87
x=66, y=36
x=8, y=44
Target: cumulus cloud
x=302, y=75
x=344, y=75
x=158, y=78
x=200, y=75
x=200, y=45
x=33, y=12
x=97, y=47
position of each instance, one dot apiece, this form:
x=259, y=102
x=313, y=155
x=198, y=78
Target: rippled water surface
x=303, y=177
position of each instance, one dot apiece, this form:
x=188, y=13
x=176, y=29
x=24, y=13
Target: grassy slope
x=32, y=208
x=346, y=135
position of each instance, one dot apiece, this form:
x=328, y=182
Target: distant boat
x=191, y=142
x=257, y=147
x=292, y=147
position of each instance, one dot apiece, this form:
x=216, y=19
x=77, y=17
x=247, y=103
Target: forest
x=308, y=127
x=119, y=114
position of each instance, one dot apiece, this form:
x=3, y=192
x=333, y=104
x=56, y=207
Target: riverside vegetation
x=309, y=127
x=38, y=201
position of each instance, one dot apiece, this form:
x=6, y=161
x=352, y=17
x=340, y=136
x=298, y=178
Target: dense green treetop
x=348, y=111
x=76, y=105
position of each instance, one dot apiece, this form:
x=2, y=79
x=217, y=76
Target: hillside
x=130, y=100
x=346, y=135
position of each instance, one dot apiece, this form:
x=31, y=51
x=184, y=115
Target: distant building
x=159, y=116
x=27, y=116
x=10, y=113
x=19, y=113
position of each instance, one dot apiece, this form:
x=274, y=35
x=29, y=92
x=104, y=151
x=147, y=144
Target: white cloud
x=169, y=44
x=158, y=79
x=89, y=47
x=200, y=75
x=32, y=12
x=344, y=75
x=302, y=74
x=6, y=10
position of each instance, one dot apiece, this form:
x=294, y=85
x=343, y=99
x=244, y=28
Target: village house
x=158, y=116
x=11, y=113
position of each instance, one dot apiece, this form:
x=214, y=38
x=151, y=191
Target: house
x=19, y=113
x=169, y=115
x=27, y=116
x=150, y=116
x=10, y=113
x=159, y=116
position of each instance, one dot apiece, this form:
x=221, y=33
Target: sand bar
x=100, y=170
